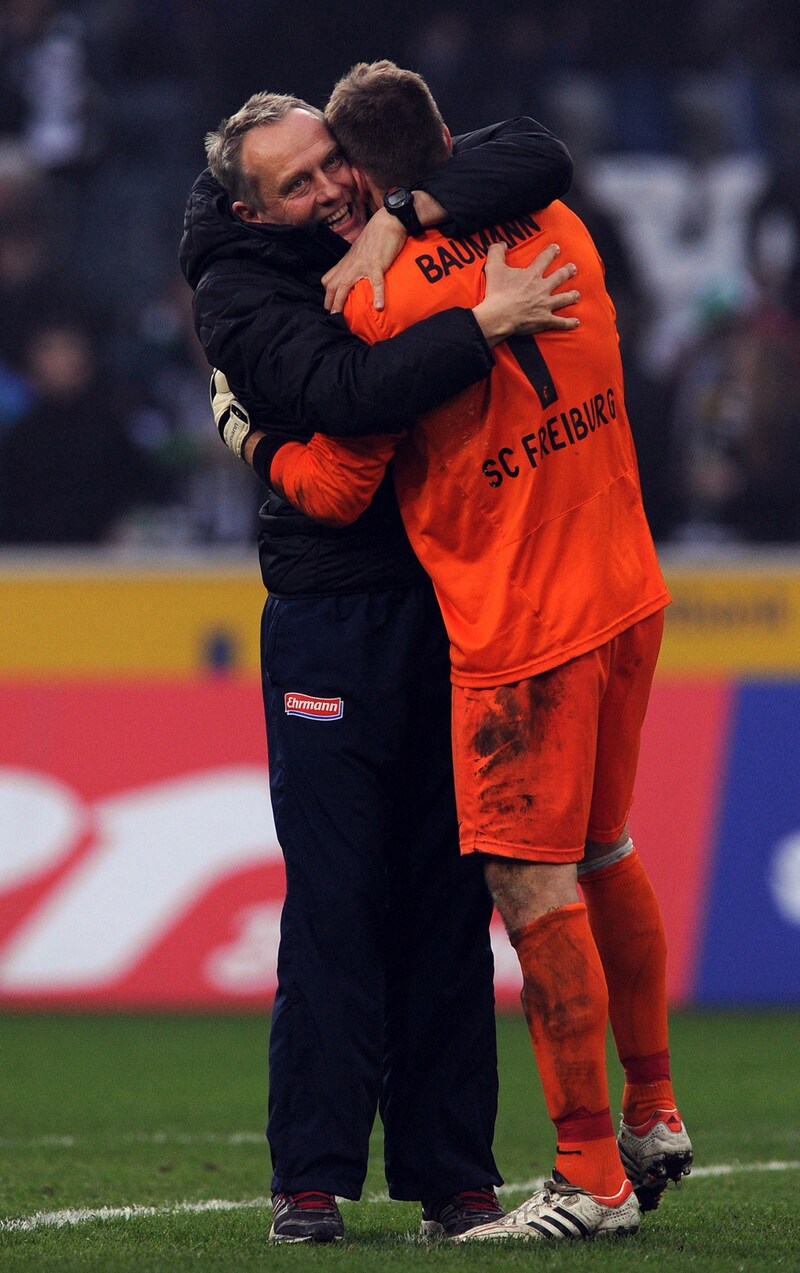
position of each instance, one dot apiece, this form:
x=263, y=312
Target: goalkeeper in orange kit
x=521, y=497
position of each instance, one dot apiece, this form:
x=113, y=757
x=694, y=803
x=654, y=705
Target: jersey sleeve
x=329, y=479
x=499, y=172
x=293, y=355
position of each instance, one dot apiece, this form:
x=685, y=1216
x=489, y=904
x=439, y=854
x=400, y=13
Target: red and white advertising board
x=139, y=865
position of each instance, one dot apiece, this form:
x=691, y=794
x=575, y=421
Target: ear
x=448, y=137
x=369, y=192
x=245, y=212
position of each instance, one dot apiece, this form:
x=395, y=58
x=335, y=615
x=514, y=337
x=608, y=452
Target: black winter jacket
x=259, y=315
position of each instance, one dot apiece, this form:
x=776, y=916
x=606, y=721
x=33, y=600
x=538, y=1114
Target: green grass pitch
x=166, y=1113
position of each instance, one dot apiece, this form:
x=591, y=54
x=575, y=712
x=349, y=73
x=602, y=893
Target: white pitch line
x=58, y=1219
x=732, y=1169
x=38, y=1142
x=697, y=1173
x=137, y=1138
x=191, y=1138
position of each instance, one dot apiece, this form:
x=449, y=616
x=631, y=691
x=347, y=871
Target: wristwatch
x=400, y=202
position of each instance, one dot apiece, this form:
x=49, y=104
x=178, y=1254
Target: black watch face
x=397, y=198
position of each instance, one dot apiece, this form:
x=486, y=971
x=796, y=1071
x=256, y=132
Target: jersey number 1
x=533, y=366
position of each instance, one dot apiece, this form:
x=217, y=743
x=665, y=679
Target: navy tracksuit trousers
x=385, y=993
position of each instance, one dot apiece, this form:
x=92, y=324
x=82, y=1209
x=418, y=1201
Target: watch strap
x=399, y=202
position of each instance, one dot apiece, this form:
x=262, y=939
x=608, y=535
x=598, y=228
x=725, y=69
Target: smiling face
x=301, y=175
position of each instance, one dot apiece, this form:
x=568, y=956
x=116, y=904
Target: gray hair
x=224, y=145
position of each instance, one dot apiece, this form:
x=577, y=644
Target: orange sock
x=627, y=927
x=566, y=1005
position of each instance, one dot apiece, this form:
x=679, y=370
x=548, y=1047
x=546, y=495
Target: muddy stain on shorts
x=516, y=721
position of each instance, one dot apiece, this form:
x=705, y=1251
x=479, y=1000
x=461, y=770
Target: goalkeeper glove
x=232, y=420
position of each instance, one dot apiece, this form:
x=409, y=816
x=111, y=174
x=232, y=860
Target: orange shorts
x=547, y=763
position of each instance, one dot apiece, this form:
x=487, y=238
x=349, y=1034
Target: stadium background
x=138, y=862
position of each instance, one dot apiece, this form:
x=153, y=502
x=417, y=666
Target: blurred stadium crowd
x=684, y=123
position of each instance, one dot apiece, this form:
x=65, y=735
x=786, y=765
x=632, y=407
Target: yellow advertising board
x=733, y=619
x=86, y=615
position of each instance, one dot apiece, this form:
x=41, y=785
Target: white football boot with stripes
x=654, y=1153
x=561, y=1210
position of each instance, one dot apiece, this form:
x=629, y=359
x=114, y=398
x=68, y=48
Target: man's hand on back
x=521, y=302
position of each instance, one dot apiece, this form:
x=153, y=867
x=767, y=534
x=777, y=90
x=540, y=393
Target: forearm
x=430, y=212
x=499, y=172
x=331, y=481
x=338, y=384
x=305, y=369
x=496, y=172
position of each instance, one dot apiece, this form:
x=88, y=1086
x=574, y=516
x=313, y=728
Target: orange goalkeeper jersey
x=521, y=496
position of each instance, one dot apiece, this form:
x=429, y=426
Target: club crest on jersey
x=313, y=708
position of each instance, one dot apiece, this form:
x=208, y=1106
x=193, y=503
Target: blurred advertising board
x=139, y=865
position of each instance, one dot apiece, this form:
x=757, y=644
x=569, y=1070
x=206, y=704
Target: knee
x=524, y=891
x=594, y=849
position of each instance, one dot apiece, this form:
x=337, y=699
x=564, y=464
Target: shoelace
x=478, y=1200
x=310, y=1200
x=560, y=1188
